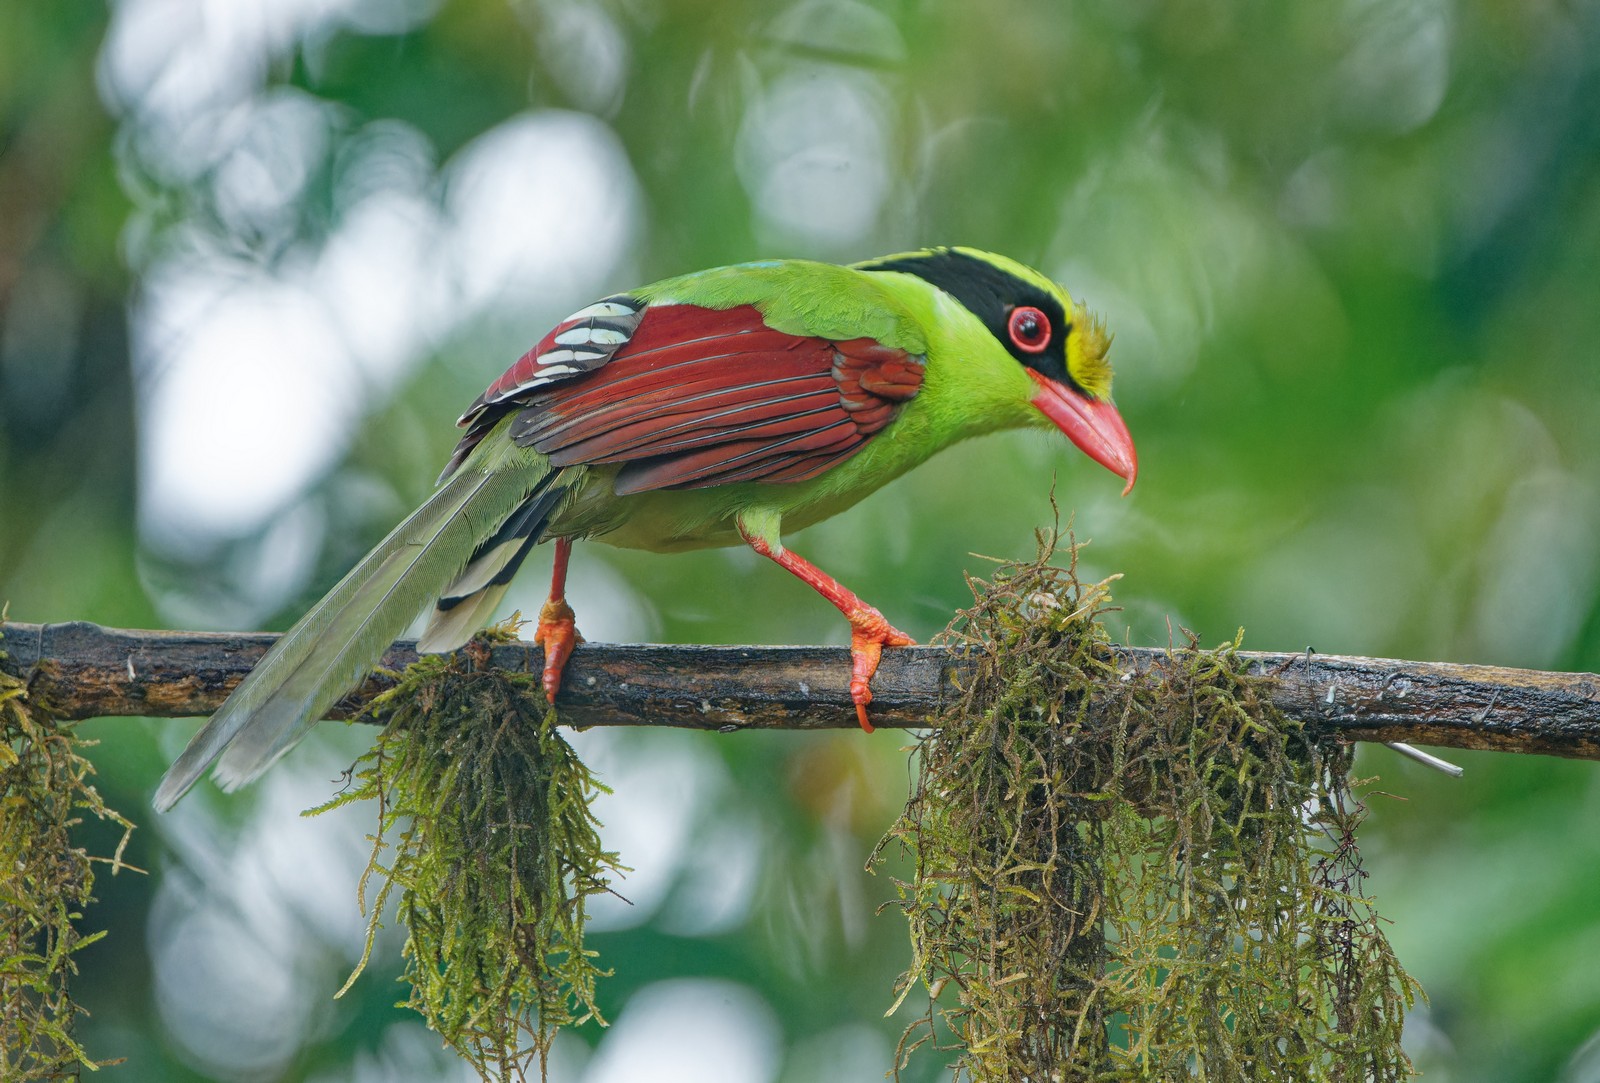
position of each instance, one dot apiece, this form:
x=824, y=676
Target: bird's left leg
x=869, y=631
x=557, y=631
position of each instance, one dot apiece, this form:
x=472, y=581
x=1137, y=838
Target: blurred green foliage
x=255, y=256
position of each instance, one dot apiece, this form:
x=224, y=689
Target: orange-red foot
x=557, y=633
x=869, y=634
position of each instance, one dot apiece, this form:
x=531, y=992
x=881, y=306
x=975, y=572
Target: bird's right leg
x=557, y=631
x=869, y=631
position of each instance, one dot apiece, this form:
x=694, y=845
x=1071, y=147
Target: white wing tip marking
x=586, y=335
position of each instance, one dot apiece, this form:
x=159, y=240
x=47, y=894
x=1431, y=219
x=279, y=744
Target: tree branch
x=83, y=670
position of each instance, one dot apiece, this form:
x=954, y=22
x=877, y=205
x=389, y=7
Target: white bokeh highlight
x=691, y=1030
x=241, y=934
x=252, y=378
x=812, y=152
x=663, y=785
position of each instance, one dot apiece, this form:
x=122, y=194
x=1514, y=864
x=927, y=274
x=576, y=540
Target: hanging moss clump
x=485, y=827
x=45, y=883
x=1168, y=891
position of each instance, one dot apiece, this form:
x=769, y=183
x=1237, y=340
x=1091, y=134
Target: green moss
x=45, y=883
x=485, y=827
x=1171, y=891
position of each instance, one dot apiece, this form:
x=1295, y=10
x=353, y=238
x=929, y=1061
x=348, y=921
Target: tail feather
x=482, y=571
x=329, y=649
x=449, y=629
x=467, y=603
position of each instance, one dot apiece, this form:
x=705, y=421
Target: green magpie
x=716, y=408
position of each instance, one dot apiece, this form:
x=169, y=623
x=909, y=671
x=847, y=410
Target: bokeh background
x=255, y=255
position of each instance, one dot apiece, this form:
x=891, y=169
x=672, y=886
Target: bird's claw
x=557, y=633
x=869, y=634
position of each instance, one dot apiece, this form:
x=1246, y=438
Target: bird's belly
x=671, y=521
x=674, y=520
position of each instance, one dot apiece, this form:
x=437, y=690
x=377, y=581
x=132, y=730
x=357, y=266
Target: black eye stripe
x=991, y=294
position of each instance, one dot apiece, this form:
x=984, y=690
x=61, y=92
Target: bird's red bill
x=1092, y=424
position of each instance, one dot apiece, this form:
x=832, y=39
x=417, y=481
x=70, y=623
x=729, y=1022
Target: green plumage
x=970, y=385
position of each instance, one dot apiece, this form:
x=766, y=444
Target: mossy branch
x=485, y=826
x=1165, y=886
x=46, y=882
x=90, y=671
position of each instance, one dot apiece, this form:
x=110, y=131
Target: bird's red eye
x=1029, y=328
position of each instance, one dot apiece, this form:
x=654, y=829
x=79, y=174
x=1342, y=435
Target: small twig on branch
x=86, y=671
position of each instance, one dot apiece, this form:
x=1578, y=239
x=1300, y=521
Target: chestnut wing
x=694, y=397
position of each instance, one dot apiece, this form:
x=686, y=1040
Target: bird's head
x=1060, y=345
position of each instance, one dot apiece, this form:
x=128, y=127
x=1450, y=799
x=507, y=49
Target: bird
x=717, y=408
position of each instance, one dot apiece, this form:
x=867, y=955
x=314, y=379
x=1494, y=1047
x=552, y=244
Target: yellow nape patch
x=1087, y=347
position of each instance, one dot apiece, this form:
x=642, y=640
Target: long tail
x=467, y=603
x=333, y=646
